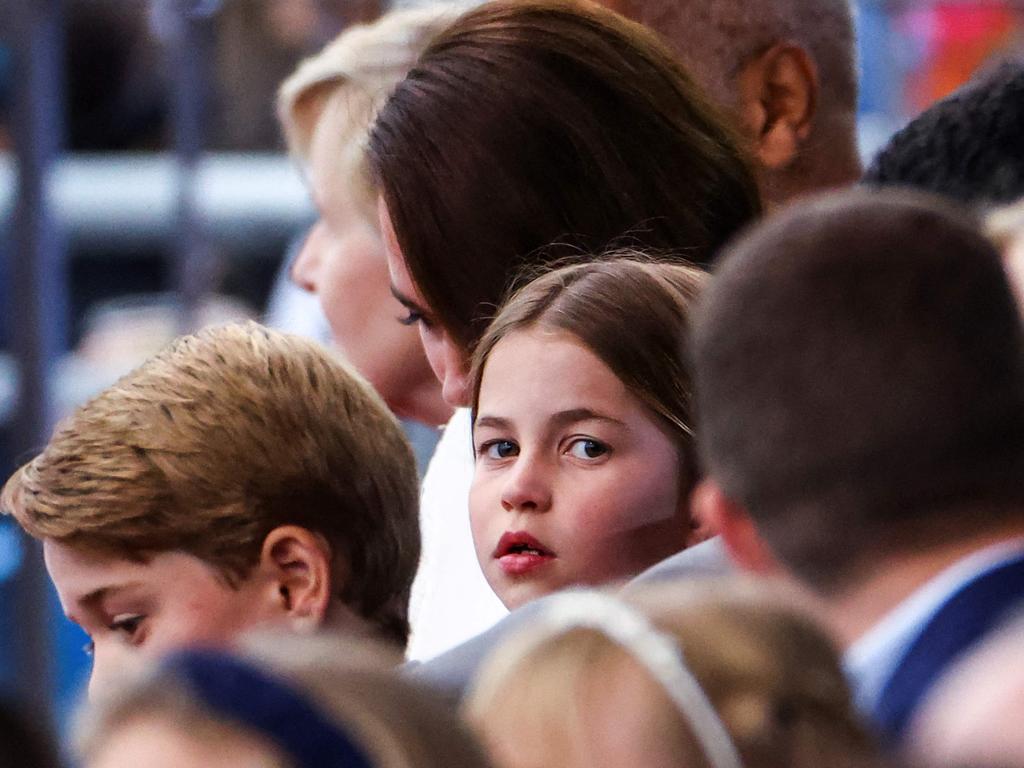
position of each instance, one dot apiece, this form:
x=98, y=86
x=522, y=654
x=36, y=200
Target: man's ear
x=729, y=519
x=778, y=100
x=297, y=563
x=701, y=528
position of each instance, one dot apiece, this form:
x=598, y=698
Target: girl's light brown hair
x=770, y=672
x=633, y=314
x=533, y=130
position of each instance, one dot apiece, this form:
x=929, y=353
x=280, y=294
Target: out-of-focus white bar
x=116, y=202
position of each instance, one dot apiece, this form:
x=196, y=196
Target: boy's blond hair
x=217, y=440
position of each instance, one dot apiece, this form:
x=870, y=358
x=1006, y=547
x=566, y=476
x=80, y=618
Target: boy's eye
x=128, y=625
x=499, y=449
x=587, y=448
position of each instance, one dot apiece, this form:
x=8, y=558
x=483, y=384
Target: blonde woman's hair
x=217, y=440
x=770, y=673
x=345, y=84
x=351, y=682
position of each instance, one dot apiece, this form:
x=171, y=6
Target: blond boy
x=241, y=477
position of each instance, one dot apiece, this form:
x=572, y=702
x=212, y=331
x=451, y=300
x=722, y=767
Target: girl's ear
x=297, y=563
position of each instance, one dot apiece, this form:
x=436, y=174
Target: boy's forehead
x=80, y=572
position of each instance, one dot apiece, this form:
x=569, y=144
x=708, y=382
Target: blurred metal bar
x=190, y=48
x=123, y=203
x=39, y=303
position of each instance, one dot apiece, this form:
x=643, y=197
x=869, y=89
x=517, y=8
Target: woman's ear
x=297, y=563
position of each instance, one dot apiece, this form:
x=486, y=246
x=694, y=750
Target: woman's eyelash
x=412, y=318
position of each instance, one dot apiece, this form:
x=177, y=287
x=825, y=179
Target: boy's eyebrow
x=96, y=596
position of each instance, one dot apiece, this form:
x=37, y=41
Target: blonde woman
x=720, y=676
x=325, y=108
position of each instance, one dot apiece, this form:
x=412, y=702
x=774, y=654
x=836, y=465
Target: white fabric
x=873, y=659
x=451, y=600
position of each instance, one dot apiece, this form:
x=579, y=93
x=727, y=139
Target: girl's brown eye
x=587, y=448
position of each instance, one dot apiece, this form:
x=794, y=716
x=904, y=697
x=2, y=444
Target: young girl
x=582, y=428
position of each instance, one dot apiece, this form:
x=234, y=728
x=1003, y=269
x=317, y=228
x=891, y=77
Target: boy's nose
x=109, y=664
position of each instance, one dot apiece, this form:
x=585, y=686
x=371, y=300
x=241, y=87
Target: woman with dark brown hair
x=528, y=132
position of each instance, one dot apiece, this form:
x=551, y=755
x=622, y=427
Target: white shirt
x=873, y=659
x=451, y=601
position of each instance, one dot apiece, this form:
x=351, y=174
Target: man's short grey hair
x=716, y=38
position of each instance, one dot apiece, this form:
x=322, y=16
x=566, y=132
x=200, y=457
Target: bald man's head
x=786, y=68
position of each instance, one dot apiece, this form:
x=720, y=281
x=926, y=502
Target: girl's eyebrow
x=574, y=415
x=495, y=422
x=559, y=419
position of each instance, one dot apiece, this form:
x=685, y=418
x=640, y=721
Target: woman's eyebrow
x=405, y=301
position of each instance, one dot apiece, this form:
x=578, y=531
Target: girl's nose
x=527, y=487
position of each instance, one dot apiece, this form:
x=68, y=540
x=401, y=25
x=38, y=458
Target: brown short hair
x=633, y=314
x=860, y=377
x=222, y=437
x=533, y=130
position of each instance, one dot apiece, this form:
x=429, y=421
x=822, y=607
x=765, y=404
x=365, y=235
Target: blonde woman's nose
x=306, y=266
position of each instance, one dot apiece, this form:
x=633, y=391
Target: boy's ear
x=730, y=520
x=778, y=101
x=297, y=563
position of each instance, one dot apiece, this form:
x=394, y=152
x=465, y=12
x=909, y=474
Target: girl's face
x=446, y=357
x=575, y=481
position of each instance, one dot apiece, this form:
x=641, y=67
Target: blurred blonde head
x=772, y=677
x=325, y=108
x=350, y=684
x=972, y=715
x=347, y=81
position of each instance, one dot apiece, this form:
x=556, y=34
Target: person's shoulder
x=708, y=558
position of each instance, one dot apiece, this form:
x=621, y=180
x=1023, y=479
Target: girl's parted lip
x=519, y=554
x=520, y=543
